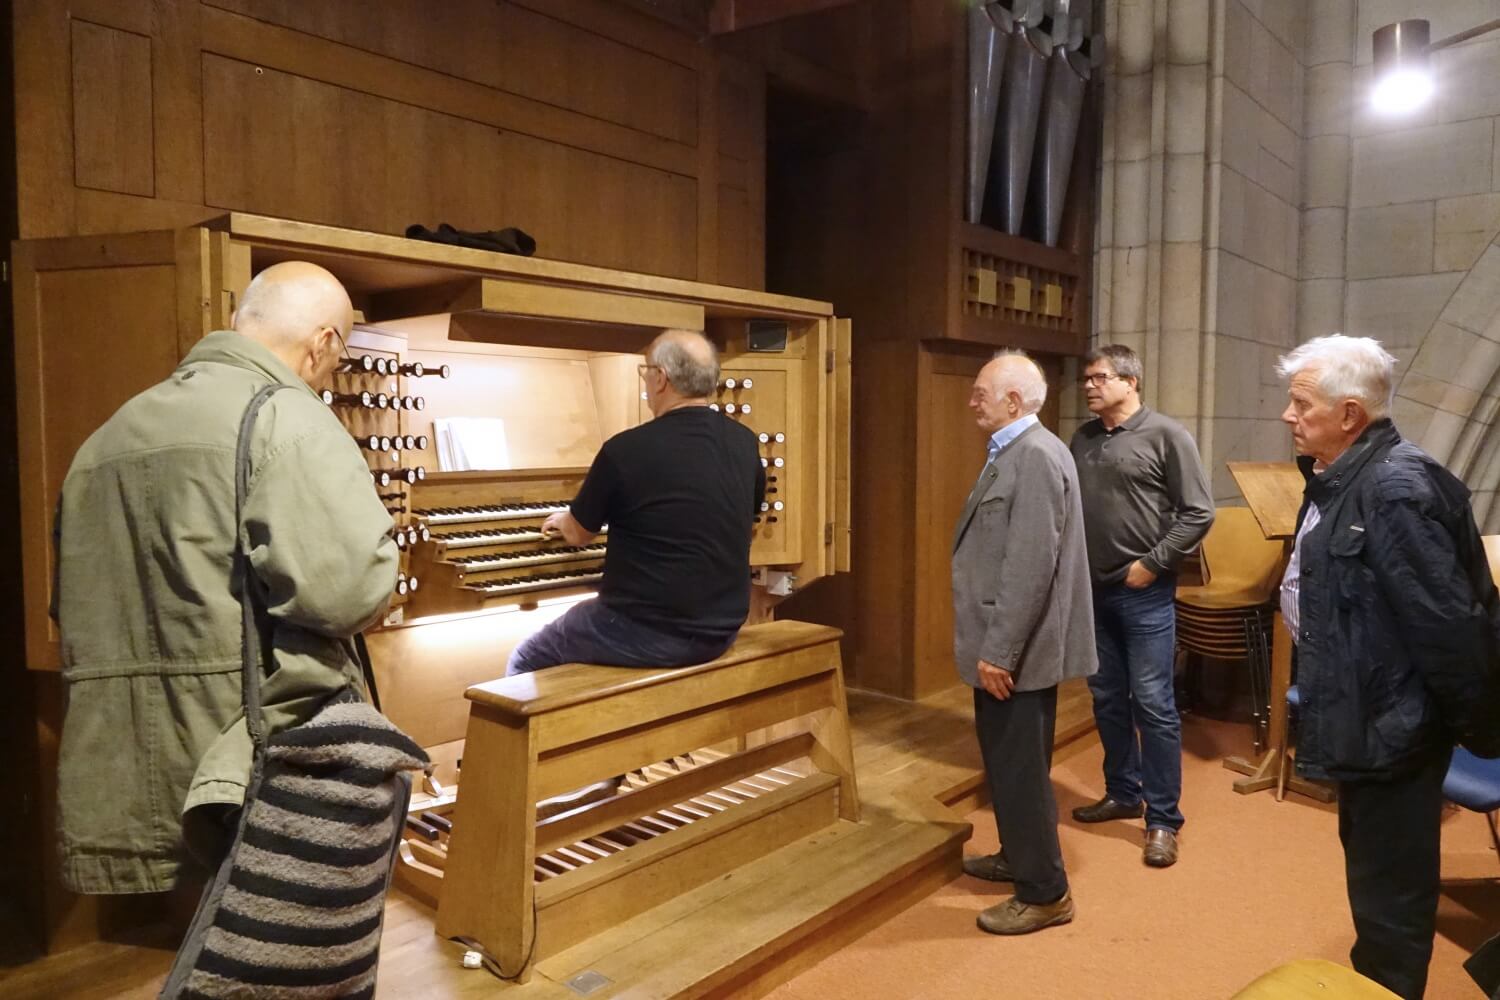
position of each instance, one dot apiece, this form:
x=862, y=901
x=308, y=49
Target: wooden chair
x=524, y=890
x=1228, y=616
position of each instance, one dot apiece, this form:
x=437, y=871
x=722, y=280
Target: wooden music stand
x=1273, y=491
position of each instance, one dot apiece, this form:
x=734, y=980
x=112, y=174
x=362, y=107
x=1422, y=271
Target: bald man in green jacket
x=153, y=739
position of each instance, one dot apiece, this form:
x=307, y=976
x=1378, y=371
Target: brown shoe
x=579, y=797
x=1161, y=848
x=1016, y=917
x=991, y=868
x=1107, y=809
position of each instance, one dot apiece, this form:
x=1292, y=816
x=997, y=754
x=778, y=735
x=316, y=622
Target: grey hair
x=694, y=377
x=1348, y=368
x=1026, y=379
x=1122, y=360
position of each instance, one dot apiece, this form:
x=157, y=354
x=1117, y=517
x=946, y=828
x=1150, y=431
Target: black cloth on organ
x=680, y=494
x=509, y=240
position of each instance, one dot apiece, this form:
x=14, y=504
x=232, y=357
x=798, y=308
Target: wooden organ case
x=547, y=351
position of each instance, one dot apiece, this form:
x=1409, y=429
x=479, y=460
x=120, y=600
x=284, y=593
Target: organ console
x=530, y=365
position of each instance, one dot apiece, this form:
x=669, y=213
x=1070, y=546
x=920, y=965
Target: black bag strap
x=251, y=655
x=362, y=657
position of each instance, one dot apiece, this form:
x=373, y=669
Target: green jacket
x=150, y=618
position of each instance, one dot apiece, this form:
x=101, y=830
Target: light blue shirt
x=1009, y=433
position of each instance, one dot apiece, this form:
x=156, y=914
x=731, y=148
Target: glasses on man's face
x=1097, y=379
x=343, y=347
x=643, y=369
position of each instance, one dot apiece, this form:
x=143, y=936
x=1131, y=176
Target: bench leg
x=833, y=749
x=488, y=886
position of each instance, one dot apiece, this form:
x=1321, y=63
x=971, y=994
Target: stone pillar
x=1325, y=167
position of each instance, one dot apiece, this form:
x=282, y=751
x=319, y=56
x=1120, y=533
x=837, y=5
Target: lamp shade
x=1401, y=80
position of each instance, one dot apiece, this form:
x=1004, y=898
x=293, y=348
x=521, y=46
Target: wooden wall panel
x=739, y=247
x=593, y=126
x=435, y=167
x=510, y=48
x=80, y=393
x=955, y=450
x=112, y=136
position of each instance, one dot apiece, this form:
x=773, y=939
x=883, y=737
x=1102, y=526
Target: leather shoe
x=1015, y=917
x=1107, y=809
x=991, y=868
x=1161, y=848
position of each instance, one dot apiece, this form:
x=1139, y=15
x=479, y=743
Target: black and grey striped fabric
x=299, y=915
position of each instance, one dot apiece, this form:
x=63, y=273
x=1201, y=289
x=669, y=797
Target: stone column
x=1329, y=56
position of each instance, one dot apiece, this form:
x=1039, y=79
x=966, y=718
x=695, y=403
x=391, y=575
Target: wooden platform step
x=760, y=924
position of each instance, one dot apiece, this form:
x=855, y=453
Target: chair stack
x=1228, y=617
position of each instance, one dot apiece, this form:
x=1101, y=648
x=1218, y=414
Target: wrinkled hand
x=1138, y=577
x=553, y=525
x=998, y=681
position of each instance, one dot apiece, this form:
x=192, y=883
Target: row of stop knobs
x=771, y=507
x=733, y=384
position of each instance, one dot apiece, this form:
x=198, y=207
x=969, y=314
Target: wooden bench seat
x=776, y=699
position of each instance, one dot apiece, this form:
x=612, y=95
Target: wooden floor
x=739, y=935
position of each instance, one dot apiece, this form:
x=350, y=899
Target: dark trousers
x=1390, y=832
x=589, y=632
x=1015, y=739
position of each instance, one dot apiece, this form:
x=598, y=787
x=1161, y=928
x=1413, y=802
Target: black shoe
x=1107, y=809
x=1161, y=848
x=991, y=868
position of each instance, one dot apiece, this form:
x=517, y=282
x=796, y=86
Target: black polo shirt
x=679, y=494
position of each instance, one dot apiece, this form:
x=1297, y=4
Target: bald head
x=1013, y=371
x=1009, y=387
x=689, y=361
x=301, y=313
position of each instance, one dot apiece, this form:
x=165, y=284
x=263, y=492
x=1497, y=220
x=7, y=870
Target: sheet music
x=465, y=443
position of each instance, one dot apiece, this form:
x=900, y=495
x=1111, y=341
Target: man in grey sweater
x=1146, y=504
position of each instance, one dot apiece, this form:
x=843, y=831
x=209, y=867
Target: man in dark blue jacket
x=1392, y=608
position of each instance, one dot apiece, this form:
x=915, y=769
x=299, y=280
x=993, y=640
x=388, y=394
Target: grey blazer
x=1022, y=599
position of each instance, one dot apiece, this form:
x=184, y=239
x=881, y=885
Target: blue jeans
x=1134, y=704
x=588, y=632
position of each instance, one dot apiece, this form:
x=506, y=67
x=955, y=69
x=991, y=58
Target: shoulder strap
x=250, y=648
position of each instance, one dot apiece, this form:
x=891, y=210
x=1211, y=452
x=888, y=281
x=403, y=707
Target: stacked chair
x=1228, y=616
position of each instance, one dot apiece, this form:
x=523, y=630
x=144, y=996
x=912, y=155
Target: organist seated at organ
x=679, y=494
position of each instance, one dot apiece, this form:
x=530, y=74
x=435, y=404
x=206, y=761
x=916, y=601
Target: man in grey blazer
x=1023, y=621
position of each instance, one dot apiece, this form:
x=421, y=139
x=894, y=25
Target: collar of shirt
x=1009, y=433
x=1128, y=424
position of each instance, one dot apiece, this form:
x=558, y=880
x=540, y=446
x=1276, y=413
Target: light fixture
x=1403, y=81
x=1402, y=78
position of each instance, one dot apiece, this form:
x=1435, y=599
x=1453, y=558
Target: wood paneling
x=594, y=127
x=509, y=48
x=62, y=290
x=254, y=115
x=112, y=138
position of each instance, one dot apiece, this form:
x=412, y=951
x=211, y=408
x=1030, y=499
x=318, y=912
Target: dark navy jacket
x=1397, y=613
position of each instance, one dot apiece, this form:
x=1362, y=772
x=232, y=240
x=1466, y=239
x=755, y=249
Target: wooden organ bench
x=691, y=815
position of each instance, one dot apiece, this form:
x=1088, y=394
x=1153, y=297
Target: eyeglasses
x=343, y=347
x=1096, y=380
x=643, y=369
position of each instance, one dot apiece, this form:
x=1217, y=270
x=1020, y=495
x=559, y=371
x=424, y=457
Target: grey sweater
x=1145, y=495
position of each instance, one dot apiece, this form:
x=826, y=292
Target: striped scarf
x=299, y=914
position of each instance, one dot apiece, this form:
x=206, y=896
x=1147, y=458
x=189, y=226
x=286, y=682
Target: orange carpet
x=1259, y=883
